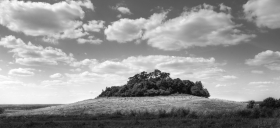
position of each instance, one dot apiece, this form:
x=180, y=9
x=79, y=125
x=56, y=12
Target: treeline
x=269, y=102
x=155, y=83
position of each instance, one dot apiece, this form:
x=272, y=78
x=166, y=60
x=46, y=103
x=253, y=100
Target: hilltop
x=155, y=83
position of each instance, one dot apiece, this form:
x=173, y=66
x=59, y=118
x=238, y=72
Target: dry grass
x=125, y=104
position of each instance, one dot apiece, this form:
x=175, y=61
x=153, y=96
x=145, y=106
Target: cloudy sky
x=66, y=51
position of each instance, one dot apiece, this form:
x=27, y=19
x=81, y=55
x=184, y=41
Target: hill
x=125, y=104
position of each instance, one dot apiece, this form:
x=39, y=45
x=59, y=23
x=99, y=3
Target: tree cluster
x=1, y=110
x=155, y=83
x=270, y=103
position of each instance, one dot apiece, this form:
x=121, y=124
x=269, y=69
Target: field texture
x=126, y=104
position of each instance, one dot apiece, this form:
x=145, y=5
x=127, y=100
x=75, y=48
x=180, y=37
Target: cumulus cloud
x=94, y=26
x=53, y=21
x=257, y=72
x=90, y=40
x=225, y=8
x=86, y=78
x=201, y=26
x=265, y=13
x=22, y=72
x=269, y=59
x=56, y=75
x=85, y=62
x=182, y=67
x=125, y=30
x=124, y=10
x=31, y=55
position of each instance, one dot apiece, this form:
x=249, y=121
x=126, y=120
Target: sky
x=58, y=52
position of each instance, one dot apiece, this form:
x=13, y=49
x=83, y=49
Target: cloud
x=91, y=40
x=31, y=55
x=265, y=13
x=53, y=21
x=56, y=75
x=257, y=72
x=22, y=72
x=220, y=85
x=86, y=78
x=225, y=8
x=85, y=62
x=94, y=26
x=125, y=30
x=201, y=26
x=8, y=82
x=182, y=67
x=261, y=83
x=269, y=59
x=227, y=77
x=124, y=10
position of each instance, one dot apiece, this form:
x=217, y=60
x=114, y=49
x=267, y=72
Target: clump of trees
x=270, y=102
x=155, y=83
x=1, y=110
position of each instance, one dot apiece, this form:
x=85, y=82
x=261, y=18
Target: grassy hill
x=125, y=104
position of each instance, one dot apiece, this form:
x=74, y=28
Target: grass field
x=12, y=108
x=112, y=104
x=163, y=111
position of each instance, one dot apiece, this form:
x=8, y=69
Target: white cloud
x=227, y=77
x=22, y=72
x=257, y=72
x=56, y=75
x=201, y=26
x=125, y=30
x=225, y=8
x=0, y=69
x=53, y=21
x=90, y=41
x=86, y=78
x=265, y=13
x=261, y=83
x=85, y=62
x=269, y=59
x=84, y=3
x=31, y=55
x=220, y=85
x=124, y=10
x=94, y=26
x=182, y=67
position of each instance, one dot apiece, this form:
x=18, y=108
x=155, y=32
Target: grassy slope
x=112, y=104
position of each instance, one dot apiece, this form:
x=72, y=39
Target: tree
x=1, y=110
x=268, y=103
x=251, y=104
x=153, y=84
x=277, y=104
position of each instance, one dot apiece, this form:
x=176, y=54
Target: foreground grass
x=177, y=117
x=112, y=104
x=12, y=108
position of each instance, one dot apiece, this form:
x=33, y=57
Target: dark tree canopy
x=155, y=83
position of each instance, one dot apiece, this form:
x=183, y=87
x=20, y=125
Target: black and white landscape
x=140, y=63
